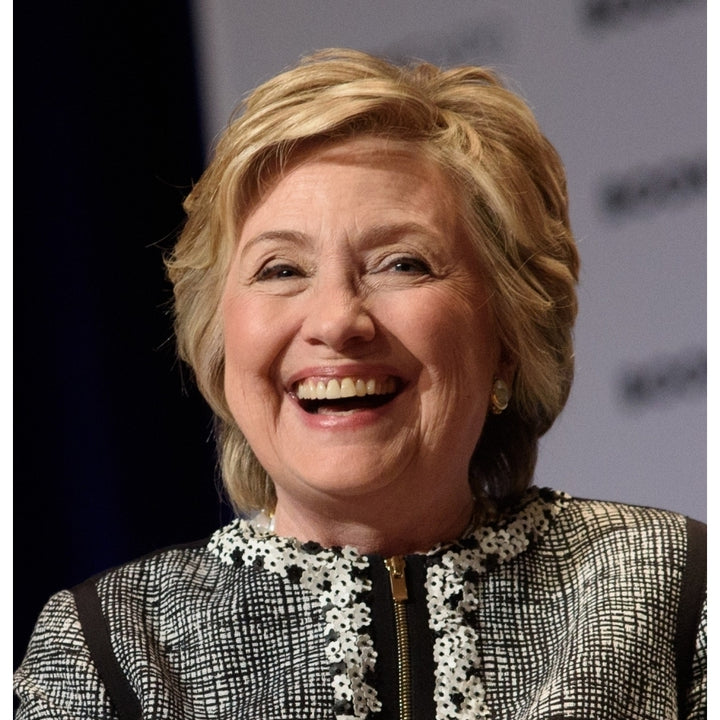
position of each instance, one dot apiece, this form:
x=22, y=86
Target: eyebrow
x=372, y=236
x=292, y=236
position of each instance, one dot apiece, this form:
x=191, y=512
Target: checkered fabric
x=581, y=622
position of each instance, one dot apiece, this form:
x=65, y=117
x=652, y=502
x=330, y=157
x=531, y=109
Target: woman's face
x=359, y=346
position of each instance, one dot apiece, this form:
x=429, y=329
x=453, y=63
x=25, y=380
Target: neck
x=376, y=526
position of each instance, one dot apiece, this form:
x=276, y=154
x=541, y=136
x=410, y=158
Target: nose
x=337, y=315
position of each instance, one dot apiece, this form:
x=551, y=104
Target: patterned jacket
x=562, y=608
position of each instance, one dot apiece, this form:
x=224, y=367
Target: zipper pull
x=396, y=569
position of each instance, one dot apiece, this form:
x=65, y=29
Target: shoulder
x=648, y=566
x=138, y=602
x=632, y=553
x=609, y=549
x=172, y=567
x=608, y=525
x=57, y=677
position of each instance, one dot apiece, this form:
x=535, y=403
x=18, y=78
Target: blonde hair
x=511, y=197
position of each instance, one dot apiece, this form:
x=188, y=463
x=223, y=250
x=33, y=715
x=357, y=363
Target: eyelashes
x=397, y=265
x=278, y=271
x=408, y=265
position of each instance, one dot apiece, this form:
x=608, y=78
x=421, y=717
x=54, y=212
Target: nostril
x=335, y=323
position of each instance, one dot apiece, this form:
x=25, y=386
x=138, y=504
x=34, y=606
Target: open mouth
x=345, y=395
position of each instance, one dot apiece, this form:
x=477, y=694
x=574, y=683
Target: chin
x=343, y=479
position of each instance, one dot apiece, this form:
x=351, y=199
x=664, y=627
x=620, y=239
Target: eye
x=408, y=265
x=278, y=271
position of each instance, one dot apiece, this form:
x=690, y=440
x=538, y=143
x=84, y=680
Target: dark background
x=113, y=449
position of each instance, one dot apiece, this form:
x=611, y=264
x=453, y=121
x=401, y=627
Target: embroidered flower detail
x=337, y=577
x=452, y=596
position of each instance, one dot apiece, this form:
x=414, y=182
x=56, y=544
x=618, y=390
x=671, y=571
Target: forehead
x=360, y=176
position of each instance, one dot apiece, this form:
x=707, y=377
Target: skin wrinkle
x=507, y=190
x=314, y=284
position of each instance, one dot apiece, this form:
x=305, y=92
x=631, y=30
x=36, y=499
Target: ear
x=506, y=367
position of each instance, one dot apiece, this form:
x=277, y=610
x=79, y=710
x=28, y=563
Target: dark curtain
x=113, y=449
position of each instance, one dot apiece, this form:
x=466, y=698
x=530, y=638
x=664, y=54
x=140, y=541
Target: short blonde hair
x=511, y=197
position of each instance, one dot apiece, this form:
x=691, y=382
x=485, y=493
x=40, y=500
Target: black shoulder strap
x=97, y=636
x=692, y=597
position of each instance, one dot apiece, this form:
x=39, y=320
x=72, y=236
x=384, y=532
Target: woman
x=375, y=290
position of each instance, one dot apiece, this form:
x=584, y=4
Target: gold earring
x=500, y=396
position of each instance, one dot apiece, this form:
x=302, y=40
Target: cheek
x=453, y=338
x=251, y=344
x=239, y=332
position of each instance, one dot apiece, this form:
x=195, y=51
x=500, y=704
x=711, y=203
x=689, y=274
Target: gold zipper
x=396, y=568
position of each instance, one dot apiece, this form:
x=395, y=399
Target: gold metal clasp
x=396, y=570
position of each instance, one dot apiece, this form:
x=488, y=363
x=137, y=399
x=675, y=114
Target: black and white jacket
x=561, y=609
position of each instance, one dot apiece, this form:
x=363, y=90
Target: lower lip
x=347, y=420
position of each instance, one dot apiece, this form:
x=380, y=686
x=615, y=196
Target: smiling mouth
x=345, y=395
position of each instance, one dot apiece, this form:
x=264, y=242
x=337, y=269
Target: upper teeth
x=344, y=388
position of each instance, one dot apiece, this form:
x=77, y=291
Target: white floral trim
x=452, y=595
x=336, y=577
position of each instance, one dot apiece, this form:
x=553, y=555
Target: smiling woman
x=352, y=269
x=375, y=288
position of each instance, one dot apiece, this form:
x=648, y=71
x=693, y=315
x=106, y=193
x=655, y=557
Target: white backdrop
x=619, y=87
